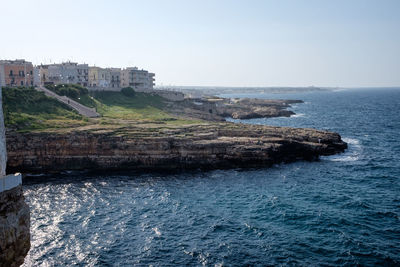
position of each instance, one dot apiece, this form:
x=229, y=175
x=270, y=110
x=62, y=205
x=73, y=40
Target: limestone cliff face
x=202, y=146
x=14, y=227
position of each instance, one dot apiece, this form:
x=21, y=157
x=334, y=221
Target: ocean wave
x=351, y=141
x=298, y=115
x=353, y=152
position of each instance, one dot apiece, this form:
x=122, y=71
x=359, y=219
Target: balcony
x=16, y=75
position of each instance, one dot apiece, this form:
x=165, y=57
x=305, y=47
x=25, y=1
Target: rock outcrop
x=214, y=145
x=14, y=227
x=217, y=109
x=251, y=108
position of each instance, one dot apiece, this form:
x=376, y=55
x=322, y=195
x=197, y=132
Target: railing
x=18, y=75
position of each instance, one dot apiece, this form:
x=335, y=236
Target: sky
x=349, y=43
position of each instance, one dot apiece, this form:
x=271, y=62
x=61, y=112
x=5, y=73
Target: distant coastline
x=198, y=91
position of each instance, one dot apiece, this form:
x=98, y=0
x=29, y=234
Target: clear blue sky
x=215, y=42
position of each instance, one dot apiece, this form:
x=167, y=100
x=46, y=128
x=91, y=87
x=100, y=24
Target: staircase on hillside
x=83, y=110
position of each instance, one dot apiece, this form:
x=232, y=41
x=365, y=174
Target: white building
x=36, y=76
x=115, y=77
x=83, y=74
x=68, y=72
x=96, y=78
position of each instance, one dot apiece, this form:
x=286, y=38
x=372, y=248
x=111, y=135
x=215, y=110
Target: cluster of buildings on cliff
x=23, y=73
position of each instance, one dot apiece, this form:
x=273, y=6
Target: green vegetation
x=70, y=90
x=128, y=91
x=74, y=91
x=142, y=106
x=26, y=109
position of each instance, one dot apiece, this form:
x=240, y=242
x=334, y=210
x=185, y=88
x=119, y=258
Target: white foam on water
x=352, y=153
x=298, y=115
x=156, y=231
x=339, y=90
x=351, y=141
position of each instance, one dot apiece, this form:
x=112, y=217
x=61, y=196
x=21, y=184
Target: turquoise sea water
x=341, y=210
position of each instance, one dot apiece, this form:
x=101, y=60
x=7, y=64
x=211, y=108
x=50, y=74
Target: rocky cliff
x=14, y=227
x=216, y=145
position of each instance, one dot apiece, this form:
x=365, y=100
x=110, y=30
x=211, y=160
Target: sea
x=341, y=210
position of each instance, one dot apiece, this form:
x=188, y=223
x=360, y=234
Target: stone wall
x=170, y=95
x=14, y=227
x=98, y=88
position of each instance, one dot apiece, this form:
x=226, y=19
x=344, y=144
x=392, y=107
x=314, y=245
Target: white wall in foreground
x=10, y=181
x=3, y=148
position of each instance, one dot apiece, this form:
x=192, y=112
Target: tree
x=128, y=91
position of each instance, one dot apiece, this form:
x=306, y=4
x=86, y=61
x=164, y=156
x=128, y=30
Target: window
x=11, y=72
x=22, y=83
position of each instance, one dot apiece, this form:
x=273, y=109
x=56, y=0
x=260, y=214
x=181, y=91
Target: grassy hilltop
x=26, y=109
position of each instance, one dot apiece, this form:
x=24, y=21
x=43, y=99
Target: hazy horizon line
x=289, y=87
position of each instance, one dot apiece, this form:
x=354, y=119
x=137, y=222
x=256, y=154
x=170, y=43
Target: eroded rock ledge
x=217, y=145
x=217, y=109
x=14, y=227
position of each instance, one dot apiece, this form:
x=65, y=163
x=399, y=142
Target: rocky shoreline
x=15, y=225
x=217, y=109
x=136, y=147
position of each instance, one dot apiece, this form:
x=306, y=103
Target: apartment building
x=140, y=80
x=65, y=73
x=99, y=77
x=16, y=73
x=22, y=73
x=43, y=74
x=115, y=77
x=83, y=74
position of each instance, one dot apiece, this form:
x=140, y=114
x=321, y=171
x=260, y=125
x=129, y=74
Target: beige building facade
x=22, y=73
x=99, y=77
x=139, y=80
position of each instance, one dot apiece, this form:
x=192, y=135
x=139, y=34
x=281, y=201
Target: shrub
x=128, y=91
x=70, y=90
